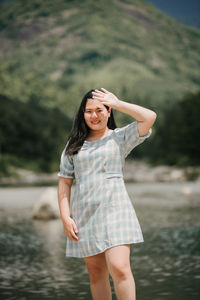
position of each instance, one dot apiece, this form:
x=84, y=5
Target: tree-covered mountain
x=53, y=52
x=60, y=49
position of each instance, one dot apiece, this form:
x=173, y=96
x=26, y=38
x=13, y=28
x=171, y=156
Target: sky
x=178, y=7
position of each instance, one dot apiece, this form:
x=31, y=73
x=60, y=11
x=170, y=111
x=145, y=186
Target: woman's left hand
x=106, y=98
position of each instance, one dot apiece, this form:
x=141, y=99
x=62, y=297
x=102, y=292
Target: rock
x=46, y=207
x=187, y=190
x=28, y=177
x=140, y=171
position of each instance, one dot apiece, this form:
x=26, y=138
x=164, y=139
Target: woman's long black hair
x=80, y=130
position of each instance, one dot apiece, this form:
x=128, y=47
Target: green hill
x=58, y=50
x=53, y=52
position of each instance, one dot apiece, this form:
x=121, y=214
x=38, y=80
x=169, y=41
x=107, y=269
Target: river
x=33, y=265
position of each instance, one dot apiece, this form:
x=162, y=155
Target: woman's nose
x=94, y=114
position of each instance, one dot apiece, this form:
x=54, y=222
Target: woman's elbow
x=152, y=118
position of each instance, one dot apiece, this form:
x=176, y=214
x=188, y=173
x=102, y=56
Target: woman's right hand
x=70, y=229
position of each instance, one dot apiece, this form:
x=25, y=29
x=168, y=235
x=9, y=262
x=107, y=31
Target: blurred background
x=51, y=54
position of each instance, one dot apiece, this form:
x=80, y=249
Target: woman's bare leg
x=99, y=277
x=118, y=262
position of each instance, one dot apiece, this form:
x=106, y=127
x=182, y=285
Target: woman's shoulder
x=122, y=130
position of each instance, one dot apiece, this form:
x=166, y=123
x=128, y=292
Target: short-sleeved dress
x=100, y=204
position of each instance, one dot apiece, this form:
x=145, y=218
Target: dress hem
x=101, y=251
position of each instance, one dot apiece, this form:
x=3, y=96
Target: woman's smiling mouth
x=95, y=122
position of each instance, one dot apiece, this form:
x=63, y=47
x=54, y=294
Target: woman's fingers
x=100, y=94
x=98, y=98
x=98, y=91
x=75, y=227
x=74, y=236
x=74, y=231
x=104, y=97
x=71, y=230
x=105, y=91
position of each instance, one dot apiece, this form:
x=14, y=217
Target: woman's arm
x=144, y=116
x=64, y=192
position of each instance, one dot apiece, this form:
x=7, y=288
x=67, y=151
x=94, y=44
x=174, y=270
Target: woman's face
x=96, y=115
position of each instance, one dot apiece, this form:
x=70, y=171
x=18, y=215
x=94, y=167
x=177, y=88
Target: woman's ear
x=109, y=111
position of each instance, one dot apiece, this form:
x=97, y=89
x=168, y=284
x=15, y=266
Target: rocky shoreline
x=134, y=171
x=140, y=171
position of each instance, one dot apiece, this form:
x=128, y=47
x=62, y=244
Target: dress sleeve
x=66, y=166
x=128, y=137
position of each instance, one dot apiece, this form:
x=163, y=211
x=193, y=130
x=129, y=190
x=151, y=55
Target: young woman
x=100, y=221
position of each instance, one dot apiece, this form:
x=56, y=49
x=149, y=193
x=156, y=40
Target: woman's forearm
x=140, y=113
x=64, y=191
x=144, y=116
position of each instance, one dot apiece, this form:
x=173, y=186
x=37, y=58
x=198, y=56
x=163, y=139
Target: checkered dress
x=100, y=205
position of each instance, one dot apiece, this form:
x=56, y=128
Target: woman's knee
x=118, y=262
x=97, y=269
x=120, y=270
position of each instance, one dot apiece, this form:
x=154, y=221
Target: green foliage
x=53, y=52
x=31, y=134
x=177, y=135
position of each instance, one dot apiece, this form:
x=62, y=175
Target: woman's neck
x=97, y=134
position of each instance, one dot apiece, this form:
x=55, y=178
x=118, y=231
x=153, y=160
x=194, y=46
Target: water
x=166, y=266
